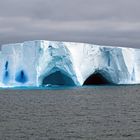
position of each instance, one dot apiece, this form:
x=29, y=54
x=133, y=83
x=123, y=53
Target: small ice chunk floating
x=42, y=63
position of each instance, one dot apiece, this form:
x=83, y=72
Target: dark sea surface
x=88, y=113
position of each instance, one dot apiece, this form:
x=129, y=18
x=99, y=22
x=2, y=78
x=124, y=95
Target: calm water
x=91, y=113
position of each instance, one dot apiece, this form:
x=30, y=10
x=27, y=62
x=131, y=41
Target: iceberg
x=42, y=63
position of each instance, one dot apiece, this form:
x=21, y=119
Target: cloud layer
x=104, y=22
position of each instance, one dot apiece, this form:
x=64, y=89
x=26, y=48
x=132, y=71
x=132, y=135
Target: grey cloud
x=94, y=21
x=71, y=10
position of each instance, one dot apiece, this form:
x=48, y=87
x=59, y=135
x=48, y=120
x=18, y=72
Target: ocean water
x=87, y=113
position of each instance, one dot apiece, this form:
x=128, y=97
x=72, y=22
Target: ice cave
x=42, y=63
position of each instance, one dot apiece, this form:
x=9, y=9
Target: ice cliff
x=40, y=63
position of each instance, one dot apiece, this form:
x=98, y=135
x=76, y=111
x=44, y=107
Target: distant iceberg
x=44, y=63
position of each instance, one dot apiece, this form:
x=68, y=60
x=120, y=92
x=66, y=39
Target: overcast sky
x=105, y=22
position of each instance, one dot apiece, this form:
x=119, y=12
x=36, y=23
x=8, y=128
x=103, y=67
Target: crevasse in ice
x=40, y=63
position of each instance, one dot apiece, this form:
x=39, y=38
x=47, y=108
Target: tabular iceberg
x=39, y=63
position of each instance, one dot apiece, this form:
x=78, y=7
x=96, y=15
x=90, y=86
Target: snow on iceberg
x=41, y=63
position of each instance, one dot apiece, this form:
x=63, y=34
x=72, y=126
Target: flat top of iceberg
x=108, y=46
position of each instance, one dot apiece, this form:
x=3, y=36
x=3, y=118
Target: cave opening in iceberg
x=58, y=78
x=97, y=79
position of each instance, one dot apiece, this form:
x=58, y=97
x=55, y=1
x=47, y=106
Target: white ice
x=40, y=63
